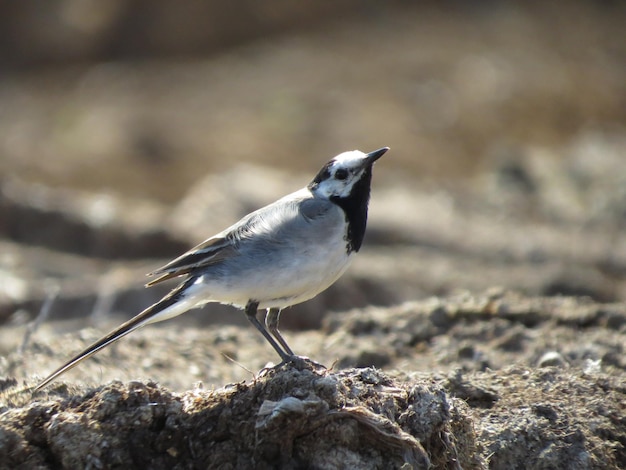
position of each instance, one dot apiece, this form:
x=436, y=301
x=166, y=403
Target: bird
x=277, y=256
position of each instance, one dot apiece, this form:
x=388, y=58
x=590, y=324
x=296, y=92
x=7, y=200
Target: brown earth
x=448, y=395
x=483, y=324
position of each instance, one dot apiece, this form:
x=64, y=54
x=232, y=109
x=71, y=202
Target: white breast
x=304, y=278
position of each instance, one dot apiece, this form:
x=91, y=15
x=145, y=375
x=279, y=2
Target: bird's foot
x=297, y=362
x=302, y=362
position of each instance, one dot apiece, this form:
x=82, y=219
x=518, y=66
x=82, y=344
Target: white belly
x=302, y=281
x=279, y=284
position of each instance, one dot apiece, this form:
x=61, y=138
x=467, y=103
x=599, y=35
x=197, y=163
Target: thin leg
x=251, y=310
x=271, y=323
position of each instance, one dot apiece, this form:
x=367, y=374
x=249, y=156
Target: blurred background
x=131, y=130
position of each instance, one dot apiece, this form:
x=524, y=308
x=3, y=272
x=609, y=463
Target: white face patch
x=339, y=175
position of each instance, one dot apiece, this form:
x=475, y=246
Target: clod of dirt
x=289, y=417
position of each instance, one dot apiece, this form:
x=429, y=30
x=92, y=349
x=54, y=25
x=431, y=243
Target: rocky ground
x=483, y=324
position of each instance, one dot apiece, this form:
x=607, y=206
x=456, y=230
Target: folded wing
x=209, y=252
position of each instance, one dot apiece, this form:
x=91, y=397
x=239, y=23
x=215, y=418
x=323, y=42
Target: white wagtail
x=278, y=256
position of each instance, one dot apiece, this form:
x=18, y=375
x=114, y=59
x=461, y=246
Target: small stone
x=551, y=359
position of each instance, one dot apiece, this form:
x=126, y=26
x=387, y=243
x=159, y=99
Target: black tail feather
x=131, y=325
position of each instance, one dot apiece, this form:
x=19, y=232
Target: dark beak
x=375, y=155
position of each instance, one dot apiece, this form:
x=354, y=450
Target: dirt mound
x=306, y=417
x=288, y=418
x=447, y=396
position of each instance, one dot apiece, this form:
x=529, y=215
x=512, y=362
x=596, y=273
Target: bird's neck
x=355, y=209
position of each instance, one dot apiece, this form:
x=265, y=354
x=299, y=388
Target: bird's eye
x=341, y=174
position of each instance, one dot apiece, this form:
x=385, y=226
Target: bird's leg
x=251, y=310
x=271, y=323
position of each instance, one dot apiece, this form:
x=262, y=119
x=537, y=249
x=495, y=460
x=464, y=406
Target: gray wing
x=283, y=220
x=209, y=252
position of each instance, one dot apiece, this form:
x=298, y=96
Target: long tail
x=170, y=306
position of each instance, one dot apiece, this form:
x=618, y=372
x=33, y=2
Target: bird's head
x=346, y=173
